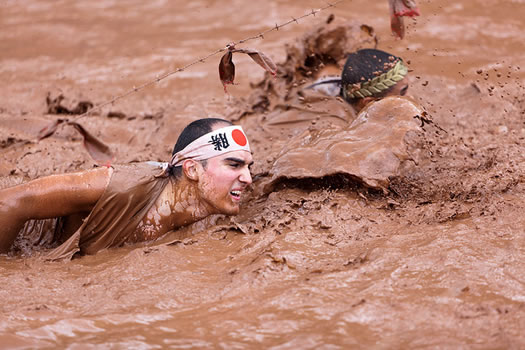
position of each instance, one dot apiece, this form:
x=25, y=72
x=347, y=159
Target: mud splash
x=370, y=149
x=326, y=261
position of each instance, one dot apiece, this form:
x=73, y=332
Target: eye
x=234, y=165
x=403, y=90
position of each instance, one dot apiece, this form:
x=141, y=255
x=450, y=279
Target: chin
x=231, y=210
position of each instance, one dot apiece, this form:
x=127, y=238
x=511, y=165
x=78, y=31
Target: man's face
x=223, y=180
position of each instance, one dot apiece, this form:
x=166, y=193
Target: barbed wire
x=260, y=35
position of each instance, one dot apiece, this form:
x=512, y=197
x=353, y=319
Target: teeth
x=236, y=193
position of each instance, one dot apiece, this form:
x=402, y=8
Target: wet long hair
x=370, y=72
x=193, y=131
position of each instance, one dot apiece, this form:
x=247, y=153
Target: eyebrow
x=238, y=161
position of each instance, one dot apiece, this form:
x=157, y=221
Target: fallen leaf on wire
x=261, y=59
x=227, y=67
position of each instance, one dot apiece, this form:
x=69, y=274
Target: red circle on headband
x=239, y=137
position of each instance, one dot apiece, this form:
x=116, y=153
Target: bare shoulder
x=58, y=195
x=393, y=104
x=96, y=178
x=93, y=179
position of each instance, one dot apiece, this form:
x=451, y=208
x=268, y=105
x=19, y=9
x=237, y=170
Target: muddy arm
x=48, y=197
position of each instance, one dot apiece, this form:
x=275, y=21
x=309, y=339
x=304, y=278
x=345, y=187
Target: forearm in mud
x=11, y=220
x=20, y=203
x=48, y=197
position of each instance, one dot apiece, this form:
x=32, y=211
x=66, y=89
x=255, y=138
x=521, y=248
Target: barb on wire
x=331, y=5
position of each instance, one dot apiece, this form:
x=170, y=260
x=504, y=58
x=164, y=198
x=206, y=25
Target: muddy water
x=435, y=261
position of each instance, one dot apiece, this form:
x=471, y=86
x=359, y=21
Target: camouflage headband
x=377, y=85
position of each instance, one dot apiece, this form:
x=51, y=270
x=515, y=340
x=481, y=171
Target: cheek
x=208, y=185
x=218, y=182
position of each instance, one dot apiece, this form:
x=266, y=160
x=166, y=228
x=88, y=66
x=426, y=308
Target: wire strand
x=203, y=59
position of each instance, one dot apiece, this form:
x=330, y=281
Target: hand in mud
x=227, y=68
x=398, y=9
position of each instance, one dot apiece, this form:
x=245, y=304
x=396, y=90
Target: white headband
x=217, y=142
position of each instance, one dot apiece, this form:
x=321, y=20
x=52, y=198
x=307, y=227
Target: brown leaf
x=260, y=58
x=99, y=151
x=50, y=129
x=227, y=69
x=403, y=8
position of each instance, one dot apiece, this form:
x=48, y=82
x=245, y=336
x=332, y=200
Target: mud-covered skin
x=327, y=263
x=223, y=181
x=215, y=188
x=49, y=197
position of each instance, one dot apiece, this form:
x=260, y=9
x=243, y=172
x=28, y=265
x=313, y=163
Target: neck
x=183, y=199
x=362, y=102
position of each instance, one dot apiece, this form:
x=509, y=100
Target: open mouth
x=236, y=195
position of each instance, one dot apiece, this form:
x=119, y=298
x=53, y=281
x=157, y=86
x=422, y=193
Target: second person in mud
x=368, y=75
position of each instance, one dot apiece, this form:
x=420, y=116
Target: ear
x=190, y=169
x=363, y=102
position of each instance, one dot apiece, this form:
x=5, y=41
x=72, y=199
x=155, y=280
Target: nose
x=246, y=176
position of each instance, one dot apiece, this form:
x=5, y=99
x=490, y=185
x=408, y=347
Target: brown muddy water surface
x=420, y=247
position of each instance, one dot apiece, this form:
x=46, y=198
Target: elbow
x=11, y=209
x=11, y=222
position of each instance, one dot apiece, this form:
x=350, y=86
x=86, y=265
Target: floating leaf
x=99, y=151
x=411, y=9
x=397, y=26
x=227, y=69
x=404, y=8
x=50, y=129
x=398, y=9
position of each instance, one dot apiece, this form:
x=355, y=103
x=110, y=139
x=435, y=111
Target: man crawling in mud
x=368, y=75
x=110, y=206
